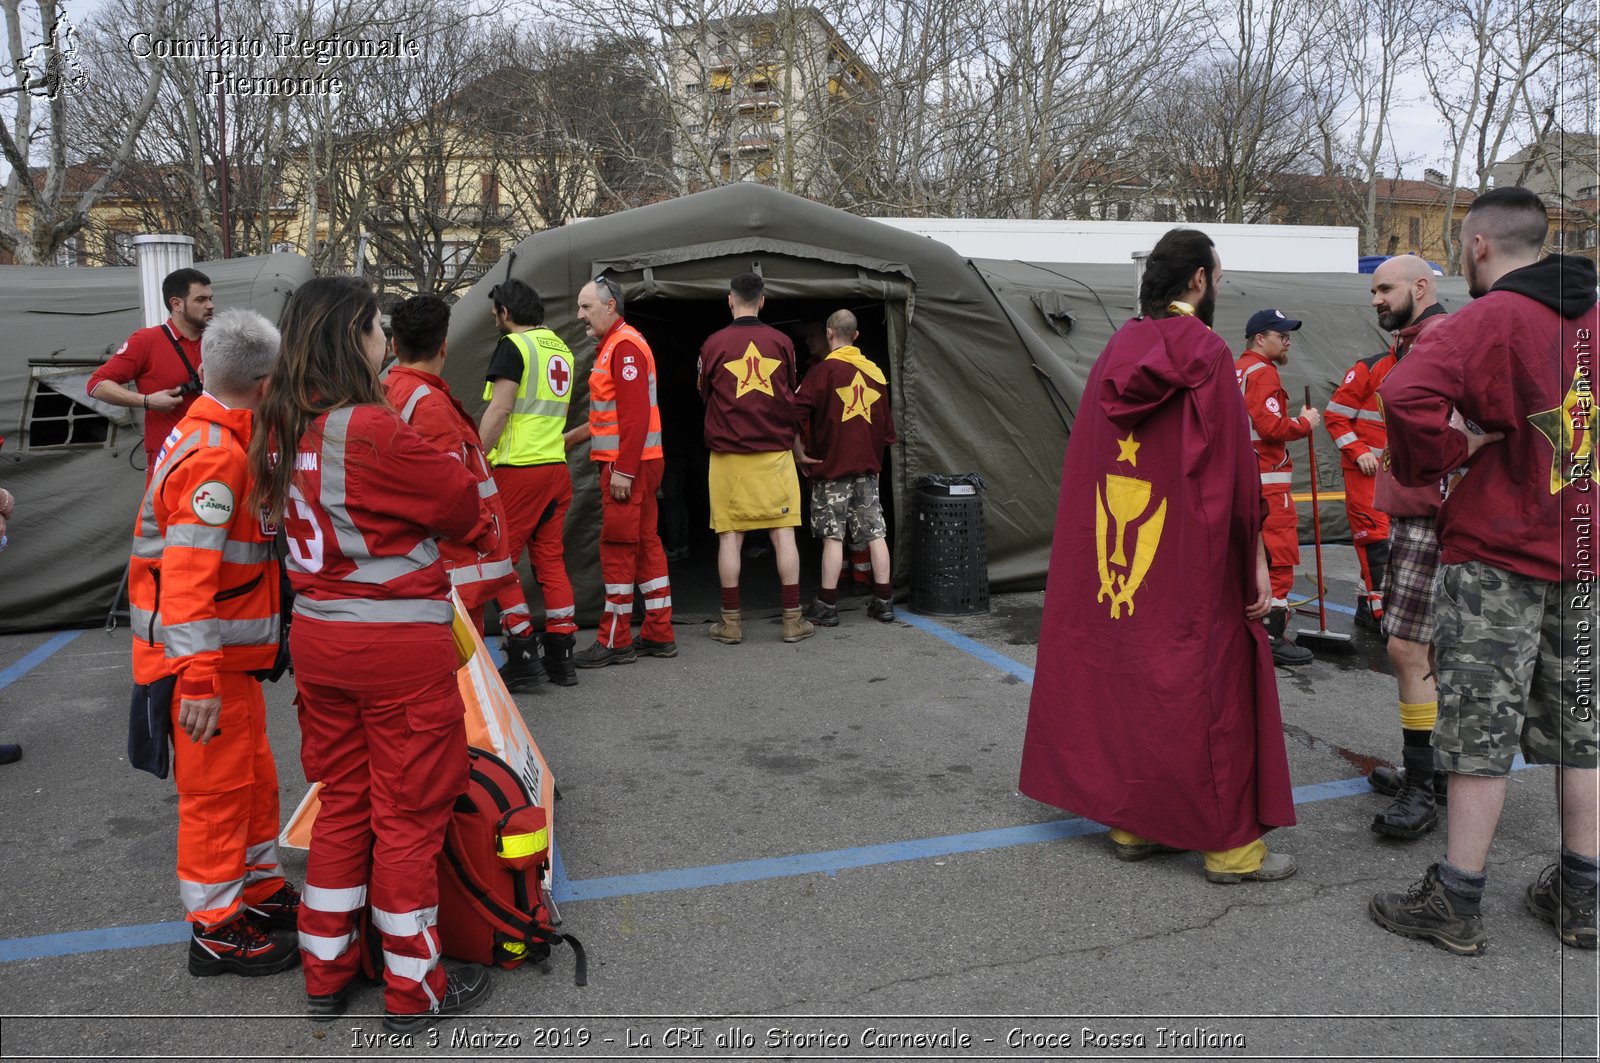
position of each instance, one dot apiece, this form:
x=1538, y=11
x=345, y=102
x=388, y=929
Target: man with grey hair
x=204, y=596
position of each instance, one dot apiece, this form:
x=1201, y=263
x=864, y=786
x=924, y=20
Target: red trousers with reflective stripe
x=630, y=555
x=227, y=807
x=1281, y=534
x=391, y=762
x=536, y=499
x=1368, y=524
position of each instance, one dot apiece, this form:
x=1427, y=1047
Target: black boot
x=522, y=671
x=558, y=660
x=1413, y=812
x=1284, y=651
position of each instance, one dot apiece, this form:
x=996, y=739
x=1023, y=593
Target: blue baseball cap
x=1263, y=320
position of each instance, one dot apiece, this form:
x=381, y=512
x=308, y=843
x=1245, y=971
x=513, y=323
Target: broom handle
x=1316, y=525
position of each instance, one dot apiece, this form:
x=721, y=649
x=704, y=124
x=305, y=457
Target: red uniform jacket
x=1270, y=424
x=1155, y=708
x=368, y=499
x=148, y=362
x=481, y=562
x=1352, y=416
x=1518, y=360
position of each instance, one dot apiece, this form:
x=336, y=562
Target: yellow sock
x=1420, y=716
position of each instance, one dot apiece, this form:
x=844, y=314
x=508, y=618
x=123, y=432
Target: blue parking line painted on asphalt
x=969, y=646
x=687, y=878
x=36, y=657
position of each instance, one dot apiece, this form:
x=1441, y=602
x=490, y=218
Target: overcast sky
x=1417, y=130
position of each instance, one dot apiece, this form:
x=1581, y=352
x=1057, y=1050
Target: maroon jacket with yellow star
x=1518, y=360
x=1155, y=708
x=843, y=406
x=747, y=380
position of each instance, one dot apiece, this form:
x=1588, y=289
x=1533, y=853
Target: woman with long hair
x=362, y=499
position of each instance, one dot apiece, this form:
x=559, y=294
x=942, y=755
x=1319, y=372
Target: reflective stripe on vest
x=375, y=610
x=1339, y=407
x=605, y=437
x=351, y=542
x=1277, y=478
x=1246, y=374
x=199, y=636
x=538, y=417
x=1345, y=440
x=468, y=574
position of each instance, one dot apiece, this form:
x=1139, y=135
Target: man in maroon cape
x=1155, y=708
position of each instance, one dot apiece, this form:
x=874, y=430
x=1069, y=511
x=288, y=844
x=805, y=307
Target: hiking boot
x=796, y=627
x=465, y=988
x=1389, y=781
x=281, y=911
x=821, y=614
x=881, y=609
x=1412, y=814
x=1290, y=654
x=599, y=655
x=1284, y=652
x=651, y=648
x=329, y=1007
x=1133, y=852
x=1429, y=911
x=558, y=664
x=1275, y=867
x=730, y=629
x=239, y=946
x=522, y=670
x=1568, y=909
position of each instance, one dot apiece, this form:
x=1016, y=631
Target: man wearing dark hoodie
x=1155, y=706
x=1513, y=606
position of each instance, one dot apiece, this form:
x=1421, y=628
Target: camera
x=192, y=386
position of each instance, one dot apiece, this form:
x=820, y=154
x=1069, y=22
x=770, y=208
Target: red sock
x=883, y=590
x=730, y=599
x=791, y=595
x=828, y=595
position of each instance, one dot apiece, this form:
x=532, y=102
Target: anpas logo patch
x=212, y=502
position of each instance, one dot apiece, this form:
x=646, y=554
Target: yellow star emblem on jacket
x=857, y=397
x=753, y=371
x=1568, y=428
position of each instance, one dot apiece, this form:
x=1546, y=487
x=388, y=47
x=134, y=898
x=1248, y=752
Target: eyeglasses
x=609, y=285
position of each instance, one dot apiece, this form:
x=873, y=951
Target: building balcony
x=755, y=102
x=754, y=143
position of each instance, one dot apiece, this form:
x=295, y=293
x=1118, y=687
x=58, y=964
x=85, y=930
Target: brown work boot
x=730, y=629
x=796, y=627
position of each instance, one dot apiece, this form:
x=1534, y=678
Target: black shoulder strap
x=194, y=377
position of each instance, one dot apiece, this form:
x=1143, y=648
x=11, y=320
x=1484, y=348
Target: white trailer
x=1254, y=248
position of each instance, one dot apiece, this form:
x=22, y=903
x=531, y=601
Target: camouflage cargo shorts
x=1515, y=668
x=851, y=502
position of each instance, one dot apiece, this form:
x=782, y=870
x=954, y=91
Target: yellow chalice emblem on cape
x=1119, y=501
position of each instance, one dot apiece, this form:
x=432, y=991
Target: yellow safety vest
x=538, y=418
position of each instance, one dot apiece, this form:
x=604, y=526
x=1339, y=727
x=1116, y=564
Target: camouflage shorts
x=1515, y=667
x=851, y=502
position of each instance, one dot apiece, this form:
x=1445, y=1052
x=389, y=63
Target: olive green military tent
x=75, y=465
x=986, y=359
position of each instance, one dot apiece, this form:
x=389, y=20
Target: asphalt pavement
x=809, y=851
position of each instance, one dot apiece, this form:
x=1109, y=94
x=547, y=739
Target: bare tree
x=1480, y=59
x=36, y=145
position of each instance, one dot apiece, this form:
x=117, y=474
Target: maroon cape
x=1155, y=705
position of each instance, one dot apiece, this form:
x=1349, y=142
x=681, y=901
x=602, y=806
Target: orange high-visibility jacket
x=606, y=430
x=203, y=591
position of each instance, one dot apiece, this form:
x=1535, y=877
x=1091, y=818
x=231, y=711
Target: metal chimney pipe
x=159, y=255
